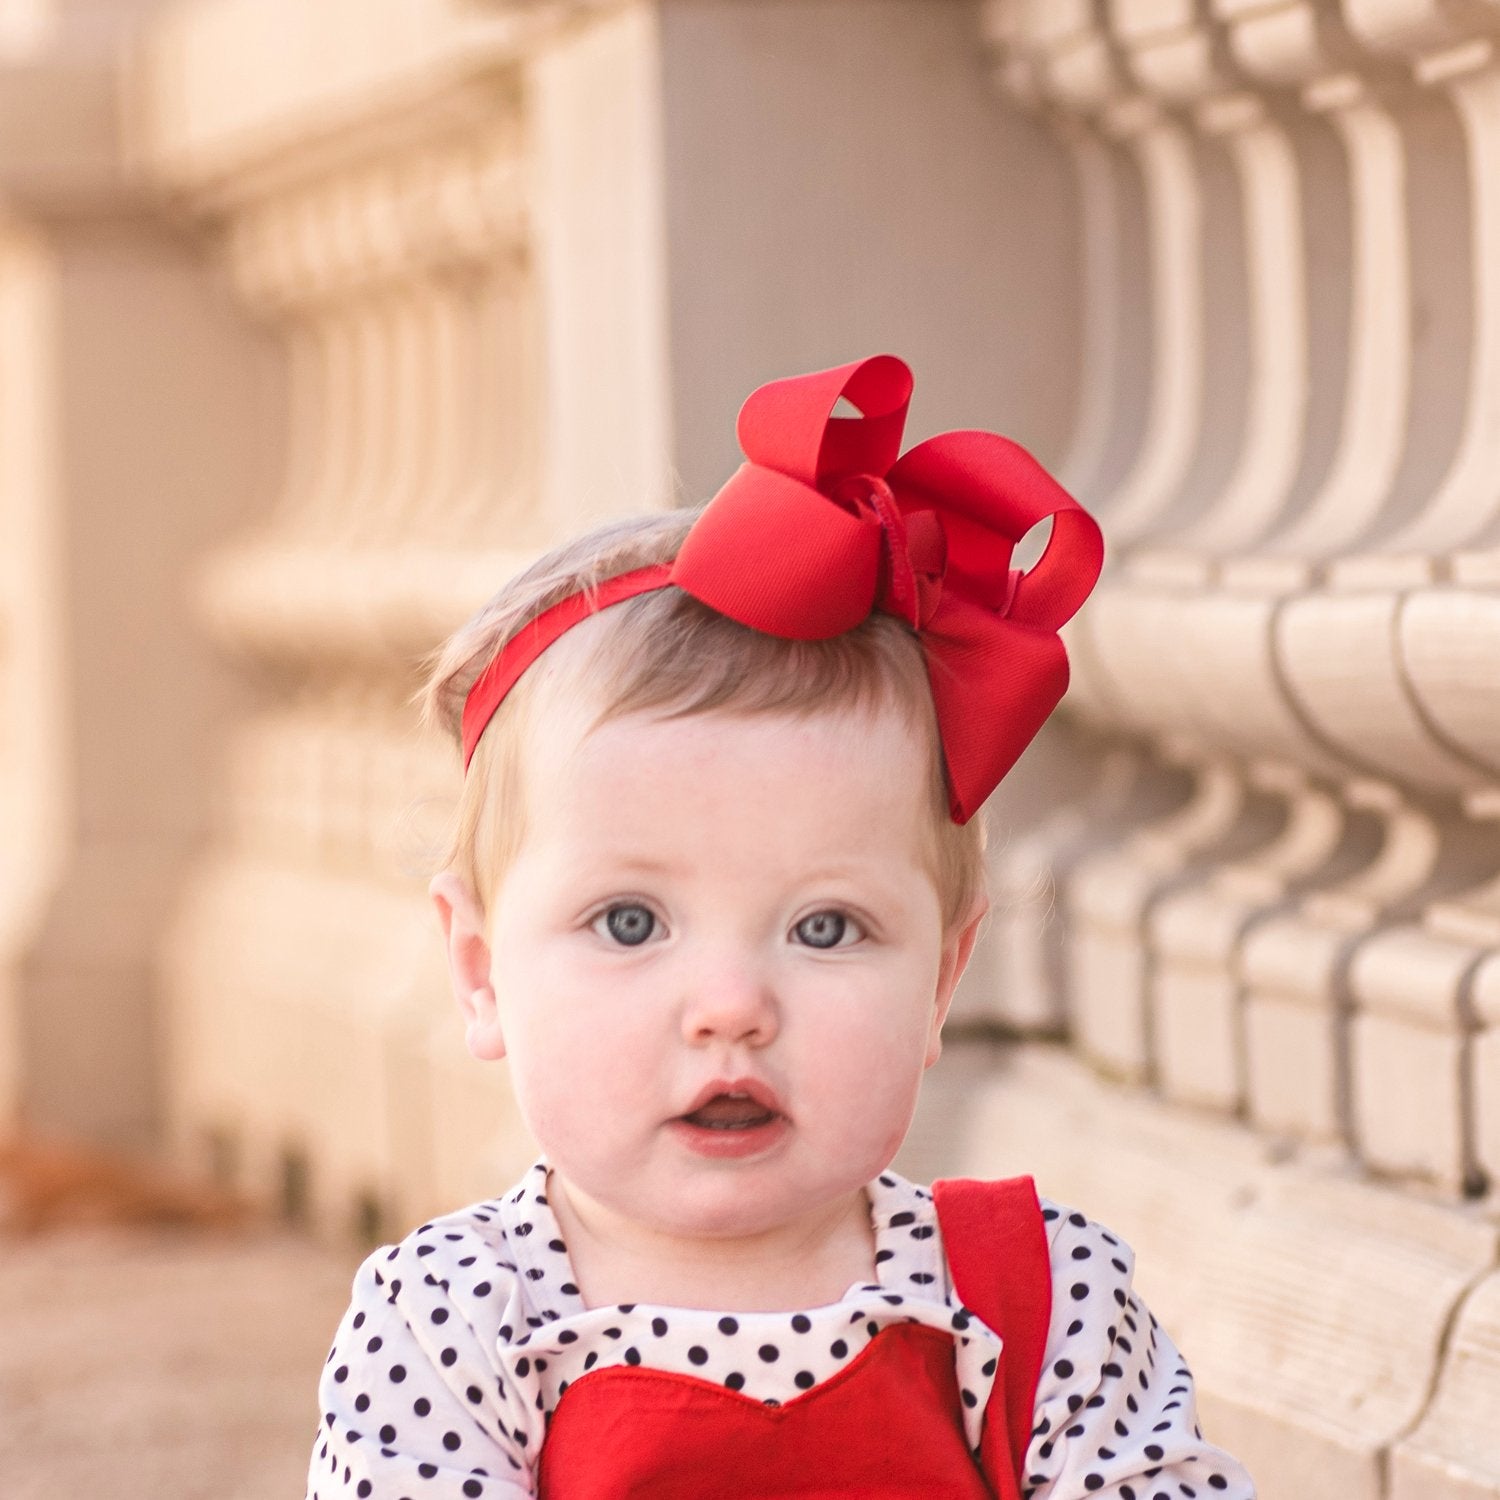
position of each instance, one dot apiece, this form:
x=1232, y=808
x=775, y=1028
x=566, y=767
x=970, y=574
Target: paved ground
x=154, y=1364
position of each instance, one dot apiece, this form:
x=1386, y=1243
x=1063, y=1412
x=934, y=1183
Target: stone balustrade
x=398, y=211
x=1289, y=430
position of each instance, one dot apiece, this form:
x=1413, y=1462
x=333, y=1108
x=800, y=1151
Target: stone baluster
x=1113, y=895
x=393, y=265
x=1061, y=62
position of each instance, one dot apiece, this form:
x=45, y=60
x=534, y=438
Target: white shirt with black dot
x=460, y=1341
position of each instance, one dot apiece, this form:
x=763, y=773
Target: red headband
x=825, y=523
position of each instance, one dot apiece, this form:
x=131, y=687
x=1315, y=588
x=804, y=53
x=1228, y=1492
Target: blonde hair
x=665, y=653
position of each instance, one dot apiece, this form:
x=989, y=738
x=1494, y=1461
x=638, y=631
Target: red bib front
x=888, y=1425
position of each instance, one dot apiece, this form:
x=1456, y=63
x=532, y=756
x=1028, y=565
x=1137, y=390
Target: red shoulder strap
x=997, y=1251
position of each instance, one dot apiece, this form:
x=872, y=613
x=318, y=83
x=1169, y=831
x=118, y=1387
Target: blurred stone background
x=319, y=319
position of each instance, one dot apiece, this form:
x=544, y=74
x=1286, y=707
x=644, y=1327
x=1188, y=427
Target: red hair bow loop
x=824, y=522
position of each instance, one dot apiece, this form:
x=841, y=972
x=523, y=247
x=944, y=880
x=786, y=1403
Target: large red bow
x=824, y=523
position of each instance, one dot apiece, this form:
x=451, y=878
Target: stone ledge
x=1454, y=1454
x=223, y=84
x=1315, y=1309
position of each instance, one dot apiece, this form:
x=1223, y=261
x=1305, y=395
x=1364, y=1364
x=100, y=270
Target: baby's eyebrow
x=633, y=863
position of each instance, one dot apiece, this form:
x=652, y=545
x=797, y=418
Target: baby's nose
x=732, y=1002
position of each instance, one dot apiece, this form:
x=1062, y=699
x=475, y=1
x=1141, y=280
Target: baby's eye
x=629, y=923
x=825, y=929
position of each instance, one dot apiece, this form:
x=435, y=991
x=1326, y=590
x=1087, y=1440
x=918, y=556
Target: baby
x=715, y=878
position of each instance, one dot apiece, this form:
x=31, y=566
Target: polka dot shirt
x=460, y=1341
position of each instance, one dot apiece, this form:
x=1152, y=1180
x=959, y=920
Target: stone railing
x=1290, y=427
x=407, y=210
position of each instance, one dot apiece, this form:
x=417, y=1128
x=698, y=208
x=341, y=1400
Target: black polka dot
x=341, y=1374
x=427, y=1471
x=659, y=1326
x=632, y=1356
x=387, y=1434
x=728, y=1325
x=838, y=1349
x=1093, y=1481
x=448, y=1357
x=472, y=1487
x=421, y=1406
x=769, y=1352
x=451, y=1441
x=698, y=1354
x=1078, y=1291
x=440, y=1315
x=398, y=1374
x=804, y=1379
x=734, y=1380
x=1063, y=1368
x=373, y=1347
x=361, y=1402
x=801, y=1323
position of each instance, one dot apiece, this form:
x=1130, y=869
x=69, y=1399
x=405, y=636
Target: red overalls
x=889, y=1424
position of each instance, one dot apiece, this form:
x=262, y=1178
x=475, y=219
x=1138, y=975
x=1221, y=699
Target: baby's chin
x=735, y=1208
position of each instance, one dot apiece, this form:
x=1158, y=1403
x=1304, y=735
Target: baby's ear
x=468, y=964
x=958, y=945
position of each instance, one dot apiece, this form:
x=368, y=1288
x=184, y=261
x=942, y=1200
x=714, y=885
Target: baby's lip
x=750, y=1088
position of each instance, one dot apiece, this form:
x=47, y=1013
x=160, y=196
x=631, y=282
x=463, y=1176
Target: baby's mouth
x=731, y=1111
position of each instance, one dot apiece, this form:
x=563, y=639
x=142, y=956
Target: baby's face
x=720, y=963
